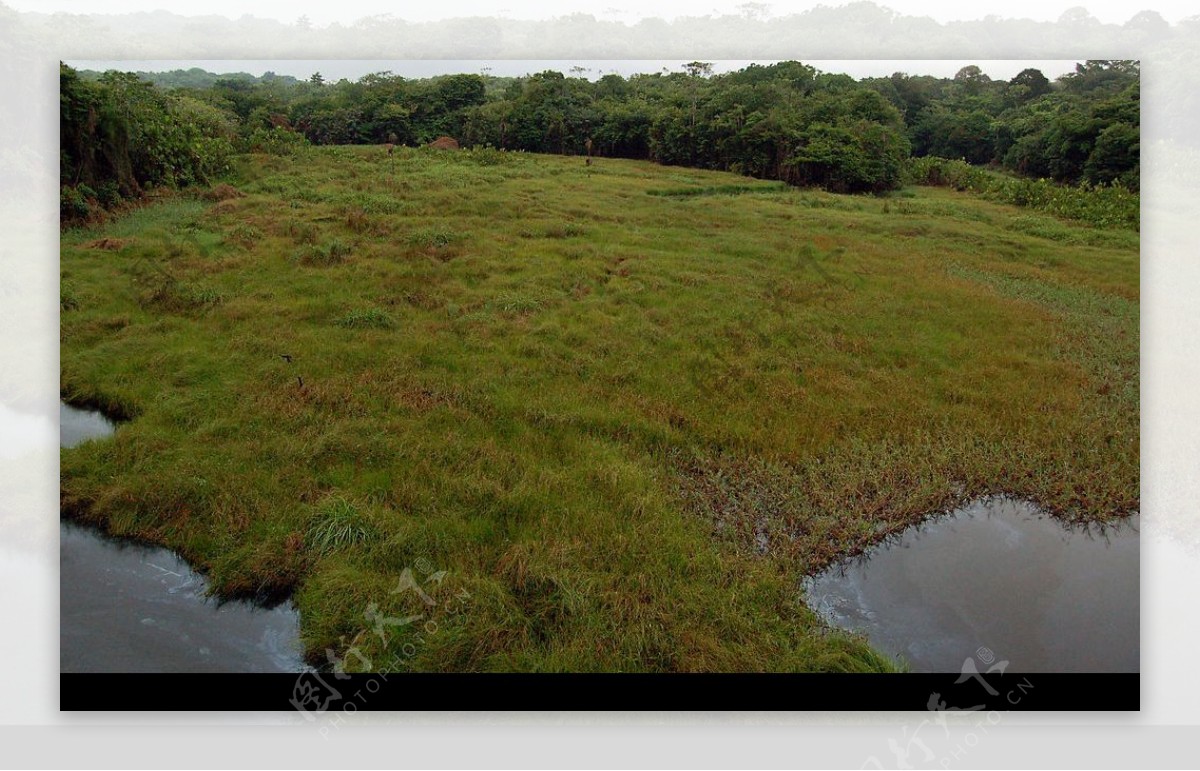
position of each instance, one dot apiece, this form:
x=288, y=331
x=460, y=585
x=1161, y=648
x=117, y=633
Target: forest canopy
x=124, y=132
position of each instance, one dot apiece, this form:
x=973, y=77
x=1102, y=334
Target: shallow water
x=76, y=426
x=998, y=574
x=126, y=607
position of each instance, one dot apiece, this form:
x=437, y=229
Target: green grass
x=338, y=523
x=601, y=427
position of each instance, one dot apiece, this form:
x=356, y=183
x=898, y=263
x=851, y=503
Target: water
x=126, y=607
x=76, y=426
x=998, y=574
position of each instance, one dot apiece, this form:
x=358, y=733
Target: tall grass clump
x=370, y=318
x=168, y=294
x=333, y=253
x=338, y=523
x=433, y=238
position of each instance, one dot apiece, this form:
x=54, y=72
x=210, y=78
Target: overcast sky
x=348, y=11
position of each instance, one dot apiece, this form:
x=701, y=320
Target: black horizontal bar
x=325, y=694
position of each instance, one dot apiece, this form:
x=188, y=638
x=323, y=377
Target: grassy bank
x=489, y=411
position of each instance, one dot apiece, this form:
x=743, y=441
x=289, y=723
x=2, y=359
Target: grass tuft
x=370, y=318
x=433, y=238
x=333, y=253
x=338, y=523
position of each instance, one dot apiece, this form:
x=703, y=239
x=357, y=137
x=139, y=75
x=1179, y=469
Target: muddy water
x=998, y=574
x=132, y=608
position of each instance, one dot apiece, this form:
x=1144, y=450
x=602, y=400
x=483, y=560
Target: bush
x=850, y=157
x=1112, y=205
x=274, y=141
x=75, y=203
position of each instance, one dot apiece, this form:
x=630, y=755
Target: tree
x=1115, y=157
x=971, y=79
x=1103, y=75
x=1034, y=82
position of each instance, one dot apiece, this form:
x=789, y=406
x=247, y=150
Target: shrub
x=74, y=203
x=274, y=141
x=1112, y=205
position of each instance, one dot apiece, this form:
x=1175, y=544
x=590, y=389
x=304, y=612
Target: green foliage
x=1103, y=205
x=1028, y=125
x=75, y=202
x=849, y=158
x=275, y=141
x=1115, y=157
x=785, y=121
x=120, y=134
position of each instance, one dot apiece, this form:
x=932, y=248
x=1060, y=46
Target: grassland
x=605, y=418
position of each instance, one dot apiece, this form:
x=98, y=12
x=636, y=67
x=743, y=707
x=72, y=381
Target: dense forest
x=122, y=133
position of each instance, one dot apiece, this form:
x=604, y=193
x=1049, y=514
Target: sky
x=333, y=70
x=349, y=11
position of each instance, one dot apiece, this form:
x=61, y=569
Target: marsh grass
x=337, y=524
x=433, y=237
x=624, y=424
x=68, y=296
x=334, y=252
x=165, y=293
x=369, y=318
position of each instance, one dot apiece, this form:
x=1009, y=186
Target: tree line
x=787, y=121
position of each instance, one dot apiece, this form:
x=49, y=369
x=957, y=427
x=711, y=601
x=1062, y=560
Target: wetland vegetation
x=616, y=410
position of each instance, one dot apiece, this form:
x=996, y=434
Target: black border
x=313, y=694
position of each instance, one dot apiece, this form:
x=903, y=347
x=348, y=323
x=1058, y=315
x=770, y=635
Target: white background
x=1163, y=734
